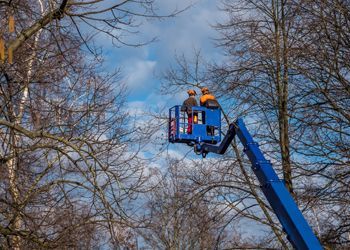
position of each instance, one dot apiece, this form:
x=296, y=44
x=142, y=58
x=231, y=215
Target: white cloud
x=136, y=108
x=139, y=73
x=190, y=29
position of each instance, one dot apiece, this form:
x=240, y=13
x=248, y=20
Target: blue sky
x=141, y=66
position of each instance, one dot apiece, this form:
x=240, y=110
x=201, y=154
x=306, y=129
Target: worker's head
x=191, y=92
x=205, y=90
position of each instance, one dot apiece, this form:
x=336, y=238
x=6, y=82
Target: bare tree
x=179, y=216
x=68, y=173
x=287, y=70
x=323, y=114
x=234, y=172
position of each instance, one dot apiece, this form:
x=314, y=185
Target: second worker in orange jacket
x=206, y=96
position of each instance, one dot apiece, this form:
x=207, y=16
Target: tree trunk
x=282, y=93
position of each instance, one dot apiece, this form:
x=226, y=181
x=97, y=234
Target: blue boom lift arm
x=293, y=222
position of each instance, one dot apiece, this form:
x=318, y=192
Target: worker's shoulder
x=207, y=97
x=191, y=100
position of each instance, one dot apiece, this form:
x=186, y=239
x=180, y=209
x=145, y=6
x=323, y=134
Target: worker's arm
x=202, y=100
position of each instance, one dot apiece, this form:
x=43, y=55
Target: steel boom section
x=293, y=222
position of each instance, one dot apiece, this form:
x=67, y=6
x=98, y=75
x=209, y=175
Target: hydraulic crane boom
x=293, y=222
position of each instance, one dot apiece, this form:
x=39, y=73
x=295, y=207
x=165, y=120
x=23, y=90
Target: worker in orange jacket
x=209, y=101
x=206, y=96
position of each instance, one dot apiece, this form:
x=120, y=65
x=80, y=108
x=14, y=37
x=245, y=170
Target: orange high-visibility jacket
x=205, y=98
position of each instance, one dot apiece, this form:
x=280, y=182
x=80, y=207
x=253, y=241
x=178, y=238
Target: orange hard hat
x=205, y=90
x=191, y=92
